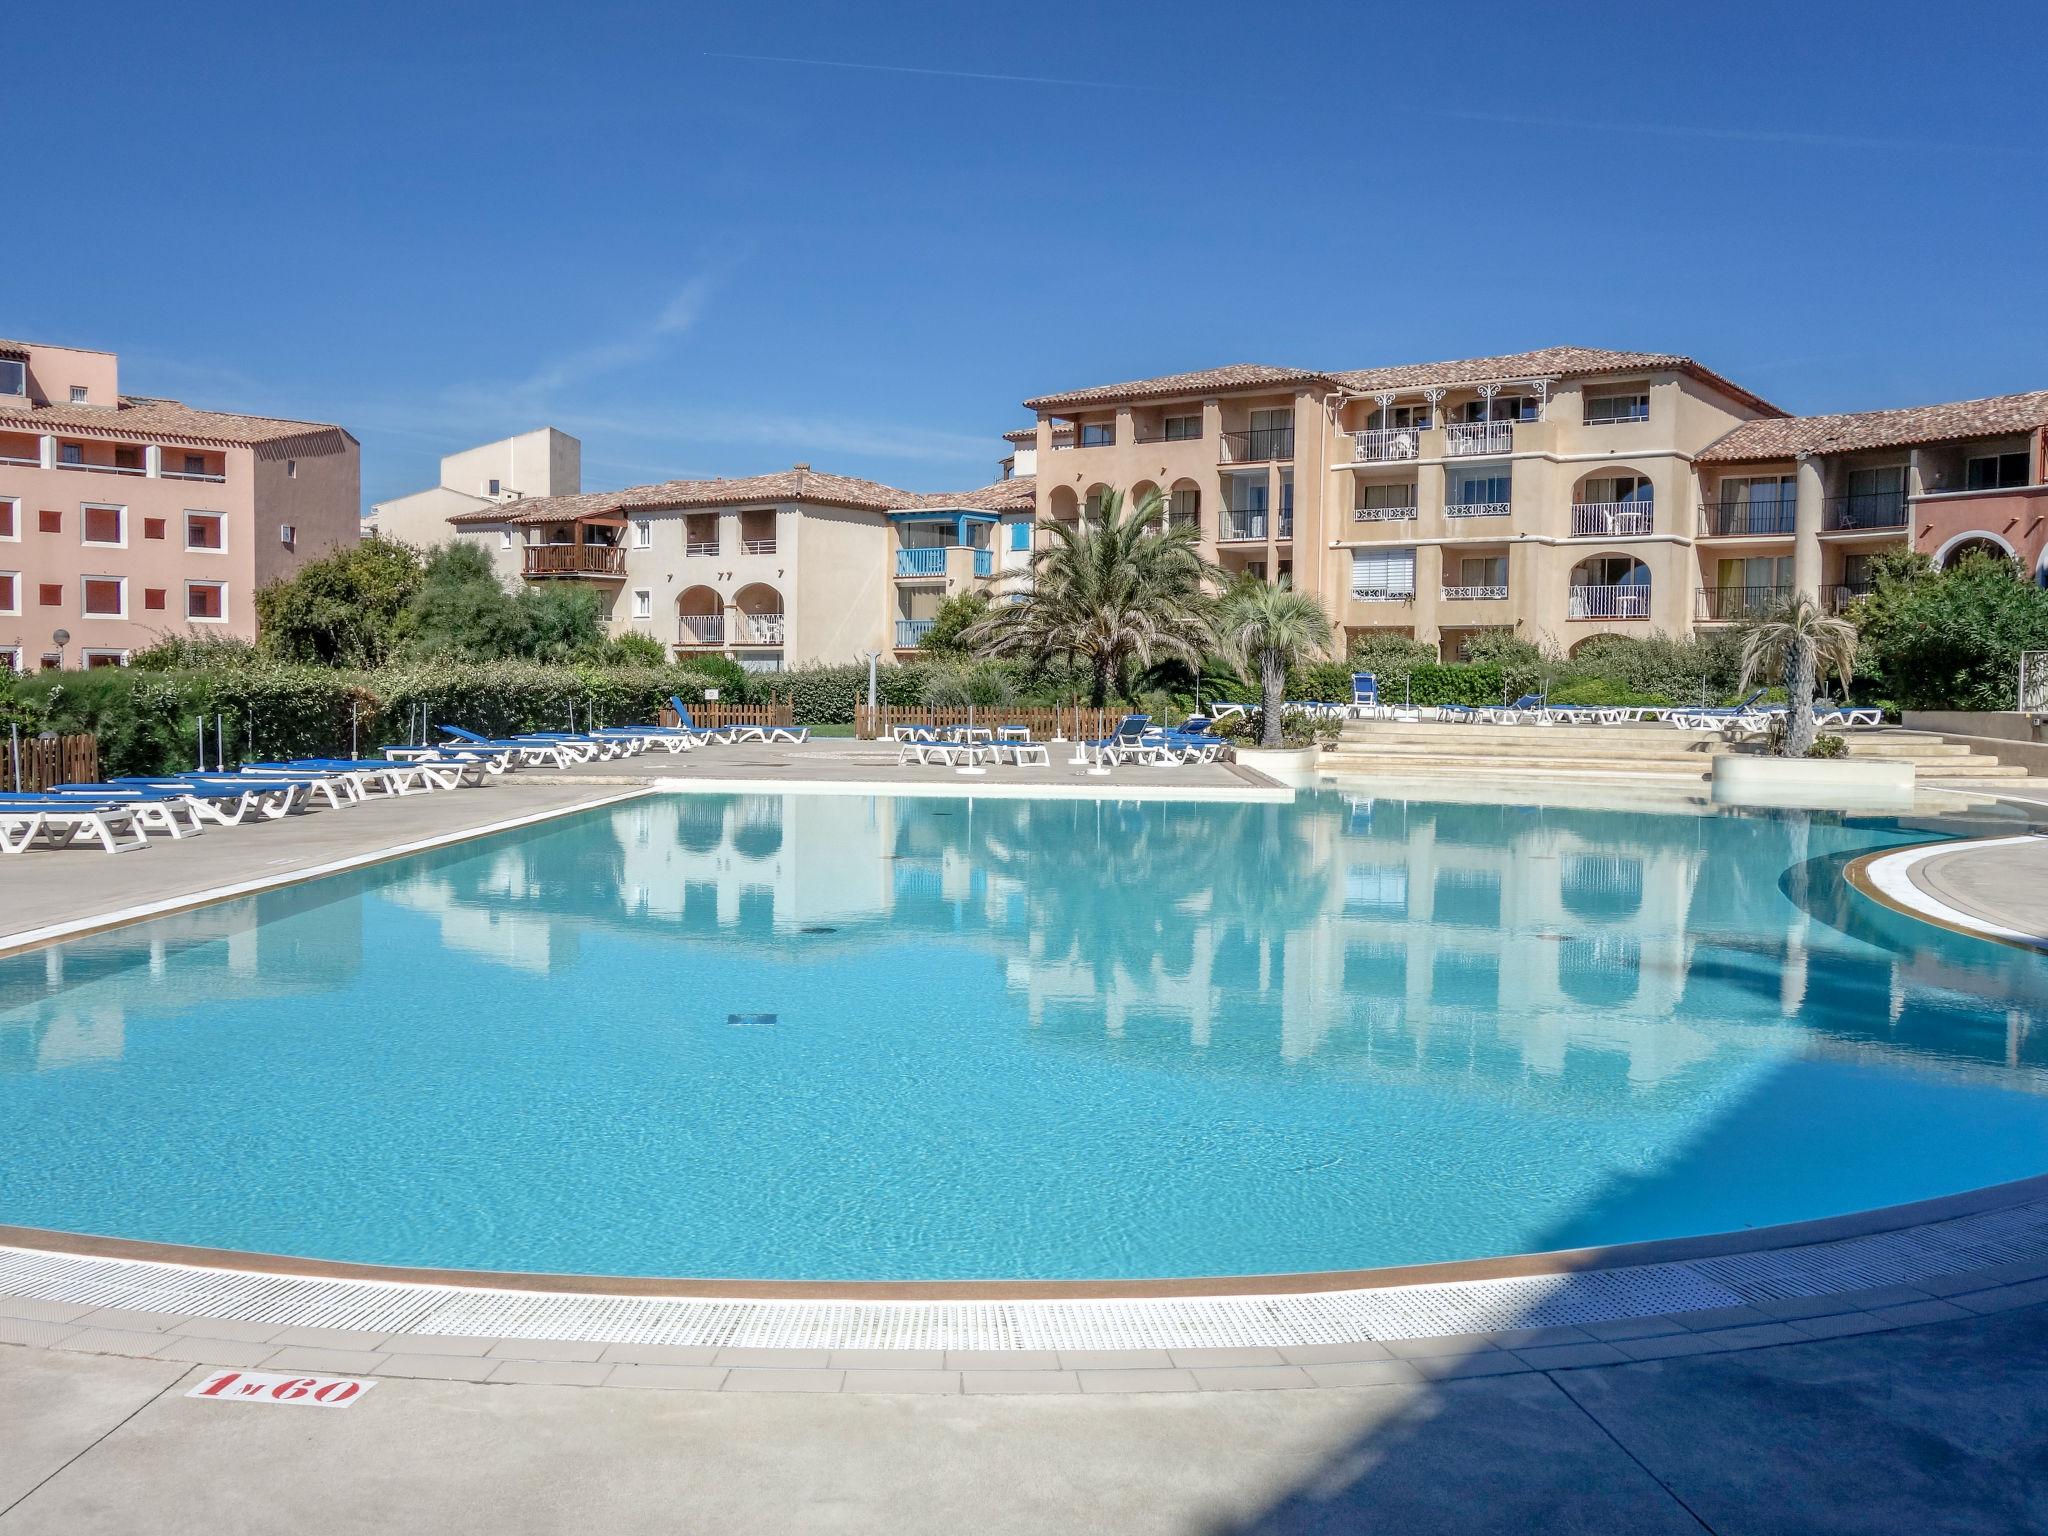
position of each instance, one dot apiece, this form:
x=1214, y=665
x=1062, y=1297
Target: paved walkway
x=2003, y=882
x=1939, y=1427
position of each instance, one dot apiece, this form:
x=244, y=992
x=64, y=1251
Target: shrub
x=826, y=695
x=1950, y=639
x=1659, y=668
x=632, y=649
x=954, y=615
x=1827, y=746
x=1596, y=691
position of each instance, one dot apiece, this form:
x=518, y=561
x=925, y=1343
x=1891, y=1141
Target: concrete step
x=1481, y=766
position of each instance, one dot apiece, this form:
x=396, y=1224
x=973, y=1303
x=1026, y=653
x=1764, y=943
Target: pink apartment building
x=123, y=517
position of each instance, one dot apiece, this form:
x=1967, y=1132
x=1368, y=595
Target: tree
x=956, y=615
x=341, y=610
x=461, y=611
x=1120, y=592
x=1949, y=639
x=1271, y=629
x=1798, y=640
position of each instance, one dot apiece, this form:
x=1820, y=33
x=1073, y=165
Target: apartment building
x=123, y=517
x=770, y=570
x=545, y=462
x=1561, y=493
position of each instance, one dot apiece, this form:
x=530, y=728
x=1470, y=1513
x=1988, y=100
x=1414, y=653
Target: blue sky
x=717, y=240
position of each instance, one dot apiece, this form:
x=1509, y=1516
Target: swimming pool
x=850, y=1038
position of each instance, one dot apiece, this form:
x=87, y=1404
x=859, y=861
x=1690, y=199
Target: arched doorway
x=700, y=617
x=759, y=617
x=1614, y=502
x=1988, y=545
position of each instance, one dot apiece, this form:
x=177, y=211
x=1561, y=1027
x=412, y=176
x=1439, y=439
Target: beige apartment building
x=770, y=570
x=532, y=465
x=123, y=517
x=1560, y=494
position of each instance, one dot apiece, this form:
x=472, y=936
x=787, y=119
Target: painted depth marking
x=271, y=1387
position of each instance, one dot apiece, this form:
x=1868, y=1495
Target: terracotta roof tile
x=801, y=483
x=1790, y=436
x=141, y=416
x=1234, y=376
x=1016, y=494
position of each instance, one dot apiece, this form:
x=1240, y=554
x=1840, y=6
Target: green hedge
x=826, y=695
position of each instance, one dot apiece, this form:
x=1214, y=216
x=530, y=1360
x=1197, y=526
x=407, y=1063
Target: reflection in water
x=1449, y=1012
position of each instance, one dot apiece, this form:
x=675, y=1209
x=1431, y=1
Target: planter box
x=1812, y=783
x=1283, y=765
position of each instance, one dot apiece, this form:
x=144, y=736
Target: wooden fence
x=780, y=712
x=47, y=760
x=1044, y=724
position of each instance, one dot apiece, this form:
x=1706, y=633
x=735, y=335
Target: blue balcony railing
x=910, y=633
x=984, y=562
x=929, y=561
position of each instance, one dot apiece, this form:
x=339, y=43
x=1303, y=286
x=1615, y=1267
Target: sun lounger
x=368, y=773
x=59, y=821
x=532, y=753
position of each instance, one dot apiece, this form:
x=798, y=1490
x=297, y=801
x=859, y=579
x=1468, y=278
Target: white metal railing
x=1241, y=527
x=1382, y=594
x=105, y=469
x=1624, y=602
x=761, y=628
x=188, y=474
x=1386, y=445
x=703, y=629
x=1605, y=519
x=758, y=546
x=1463, y=438
x=1476, y=509
x=1474, y=594
x=6, y=458
x=1383, y=514
x=700, y=546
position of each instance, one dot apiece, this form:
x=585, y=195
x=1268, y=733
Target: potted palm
x=1266, y=630
x=1800, y=642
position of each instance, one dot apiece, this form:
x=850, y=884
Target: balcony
x=1382, y=594
x=1620, y=602
x=1477, y=509
x=984, y=562
x=1161, y=435
x=928, y=561
x=1466, y=439
x=757, y=546
x=1612, y=519
x=910, y=633
x=1089, y=437
x=1870, y=512
x=1262, y=445
x=1241, y=528
x=1721, y=605
x=1476, y=594
x=603, y=561
x=1383, y=514
x=1386, y=445
x=760, y=629
x=705, y=547
x=105, y=469
x=1747, y=519
x=701, y=629
x=1843, y=593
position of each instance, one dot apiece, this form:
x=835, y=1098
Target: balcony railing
x=1620, y=602
x=106, y=469
x=701, y=547
x=1720, y=604
x=1241, y=527
x=1475, y=594
x=31, y=462
x=1843, y=593
x=1610, y=519
x=1873, y=509
x=1462, y=439
x=761, y=629
x=1386, y=445
x=1476, y=509
x=701, y=629
x=1383, y=514
x=910, y=633
x=927, y=561
x=575, y=560
x=758, y=546
x=984, y=562
x=193, y=474
x=1091, y=437
x=1161, y=435
x=1260, y=446
x=1738, y=519
x=1382, y=594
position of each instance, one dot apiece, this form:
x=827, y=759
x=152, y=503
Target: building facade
x=123, y=518
x=769, y=570
x=531, y=466
x=1558, y=494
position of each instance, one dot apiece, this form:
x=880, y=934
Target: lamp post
x=60, y=638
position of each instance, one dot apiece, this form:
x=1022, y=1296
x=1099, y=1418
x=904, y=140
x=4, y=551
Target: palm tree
x=1109, y=595
x=1272, y=628
x=1798, y=641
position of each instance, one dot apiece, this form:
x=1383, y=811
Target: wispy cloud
x=938, y=74
x=649, y=339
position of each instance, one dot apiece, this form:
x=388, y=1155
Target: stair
x=1616, y=751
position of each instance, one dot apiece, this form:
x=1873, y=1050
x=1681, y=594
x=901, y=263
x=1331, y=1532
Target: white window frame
x=195, y=618
x=13, y=611
x=69, y=448
x=643, y=533
x=87, y=653
x=1642, y=394
x=221, y=519
x=80, y=395
x=14, y=659
x=1383, y=568
x=287, y=535
x=87, y=612
x=19, y=376
x=102, y=506
x=504, y=538
x=14, y=521
x=643, y=603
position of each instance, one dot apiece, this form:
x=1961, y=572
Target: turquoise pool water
x=849, y=1038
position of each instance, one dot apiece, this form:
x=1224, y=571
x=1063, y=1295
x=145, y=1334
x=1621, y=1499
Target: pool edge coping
x=1885, y=877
